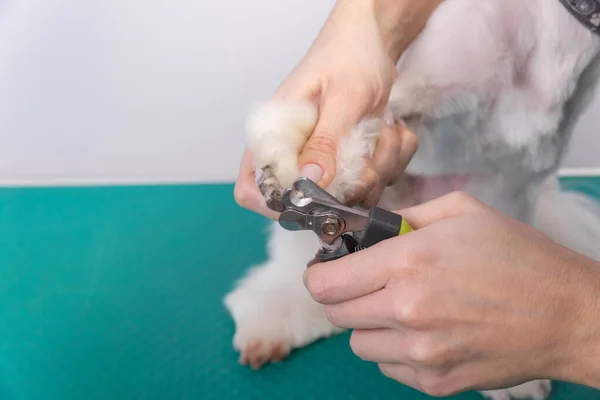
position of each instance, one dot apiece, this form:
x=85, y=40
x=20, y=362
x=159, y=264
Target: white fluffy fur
x=277, y=132
x=493, y=100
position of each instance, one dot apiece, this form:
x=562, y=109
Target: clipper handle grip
x=382, y=225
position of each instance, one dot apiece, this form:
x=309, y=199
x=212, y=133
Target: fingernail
x=388, y=118
x=312, y=172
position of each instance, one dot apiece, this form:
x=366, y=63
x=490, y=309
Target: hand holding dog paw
x=348, y=75
x=471, y=300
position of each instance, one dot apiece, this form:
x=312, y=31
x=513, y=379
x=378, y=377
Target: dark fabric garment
x=586, y=11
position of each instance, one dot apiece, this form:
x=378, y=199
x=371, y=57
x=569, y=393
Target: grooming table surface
x=116, y=293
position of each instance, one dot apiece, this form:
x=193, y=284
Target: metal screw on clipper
x=331, y=226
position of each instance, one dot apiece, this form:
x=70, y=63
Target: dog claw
x=271, y=189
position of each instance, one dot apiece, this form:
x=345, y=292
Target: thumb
x=318, y=157
x=441, y=208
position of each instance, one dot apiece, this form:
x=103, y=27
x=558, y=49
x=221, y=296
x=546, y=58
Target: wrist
x=578, y=355
x=398, y=21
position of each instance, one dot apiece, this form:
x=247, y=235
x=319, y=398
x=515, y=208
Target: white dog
x=495, y=126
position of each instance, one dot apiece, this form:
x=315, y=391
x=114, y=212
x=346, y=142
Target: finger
x=372, y=311
x=409, y=143
x=401, y=373
x=399, y=346
x=391, y=164
x=246, y=191
x=373, y=197
x=385, y=163
x=441, y=208
x=385, y=157
x=386, y=346
x=368, y=182
x=337, y=116
x=350, y=277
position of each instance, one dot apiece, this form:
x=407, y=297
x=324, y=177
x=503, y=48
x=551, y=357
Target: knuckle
x=463, y=199
x=408, y=314
x=317, y=289
x=429, y=354
x=411, y=313
x=387, y=146
x=321, y=149
x=373, y=197
x=386, y=370
x=459, y=196
x=435, y=386
x=410, y=141
x=334, y=314
x=389, y=141
x=419, y=354
x=356, y=345
x=325, y=143
x=242, y=195
x=407, y=151
x=370, y=177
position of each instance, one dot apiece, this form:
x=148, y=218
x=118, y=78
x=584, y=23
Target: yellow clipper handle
x=384, y=224
x=404, y=228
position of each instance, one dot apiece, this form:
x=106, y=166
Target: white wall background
x=151, y=90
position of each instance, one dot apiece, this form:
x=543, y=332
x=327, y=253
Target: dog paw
x=534, y=390
x=267, y=330
x=274, y=314
x=256, y=353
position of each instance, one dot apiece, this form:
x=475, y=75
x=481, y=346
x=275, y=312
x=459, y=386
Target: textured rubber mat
x=116, y=293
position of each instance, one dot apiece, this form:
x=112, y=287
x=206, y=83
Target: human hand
x=395, y=148
x=348, y=74
x=471, y=300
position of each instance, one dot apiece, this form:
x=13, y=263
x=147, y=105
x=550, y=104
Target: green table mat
x=116, y=293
